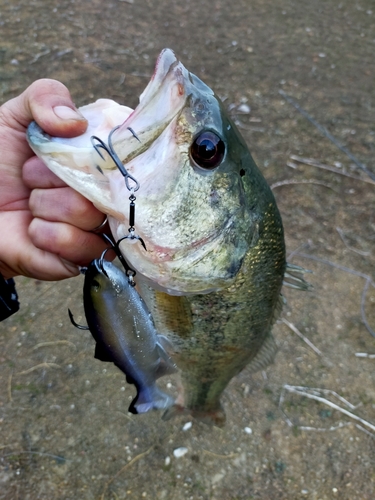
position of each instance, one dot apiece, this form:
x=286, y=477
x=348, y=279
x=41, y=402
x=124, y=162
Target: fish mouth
x=164, y=98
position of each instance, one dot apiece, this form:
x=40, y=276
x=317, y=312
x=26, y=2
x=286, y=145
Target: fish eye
x=207, y=150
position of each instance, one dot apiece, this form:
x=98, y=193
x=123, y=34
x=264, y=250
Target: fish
x=124, y=332
x=213, y=267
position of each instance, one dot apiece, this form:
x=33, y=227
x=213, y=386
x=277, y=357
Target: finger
x=24, y=258
x=49, y=103
x=68, y=242
x=65, y=205
x=35, y=174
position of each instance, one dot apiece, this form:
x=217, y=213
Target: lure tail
x=150, y=398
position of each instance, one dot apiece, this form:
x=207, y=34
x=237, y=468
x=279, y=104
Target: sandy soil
x=65, y=430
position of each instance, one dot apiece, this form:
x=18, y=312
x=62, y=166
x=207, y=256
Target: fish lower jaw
x=176, y=287
x=181, y=271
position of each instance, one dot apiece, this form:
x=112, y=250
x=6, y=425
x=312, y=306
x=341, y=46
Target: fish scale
x=216, y=335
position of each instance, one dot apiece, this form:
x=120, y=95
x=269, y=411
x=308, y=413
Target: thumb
x=49, y=103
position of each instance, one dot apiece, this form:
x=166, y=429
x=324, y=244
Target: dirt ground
x=64, y=428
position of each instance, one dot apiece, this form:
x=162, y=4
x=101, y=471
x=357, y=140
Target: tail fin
x=150, y=398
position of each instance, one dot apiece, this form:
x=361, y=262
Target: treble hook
x=112, y=153
x=99, y=144
x=130, y=273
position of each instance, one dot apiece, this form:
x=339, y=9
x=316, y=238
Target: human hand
x=44, y=224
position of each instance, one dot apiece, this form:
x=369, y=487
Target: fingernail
x=66, y=113
x=73, y=268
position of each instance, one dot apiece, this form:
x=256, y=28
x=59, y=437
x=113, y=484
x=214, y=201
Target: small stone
x=180, y=452
x=244, y=108
x=167, y=461
x=248, y=430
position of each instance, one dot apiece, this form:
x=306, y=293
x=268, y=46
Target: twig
x=294, y=181
x=291, y=164
x=363, y=301
x=365, y=430
x=302, y=391
x=54, y=342
x=324, y=429
x=305, y=339
x=343, y=237
x=56, y=457
x=230, y=455
x=39, y=55
x=338, y=266
x=368, y=282
x=10, y=387
x=317, y=164
x=41, y=365
x=317, y=391
x=364, y=355
x=135, y=459
x=124, y=415
x=8, y=445
x=327, y=134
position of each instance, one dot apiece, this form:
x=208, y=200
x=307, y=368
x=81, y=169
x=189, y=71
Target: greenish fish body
x=215, y=259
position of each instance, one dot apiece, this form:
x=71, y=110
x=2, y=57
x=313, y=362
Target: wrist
x=6, y=272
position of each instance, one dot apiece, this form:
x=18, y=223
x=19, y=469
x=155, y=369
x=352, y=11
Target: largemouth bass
x=215, y=259
x=125, y=334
